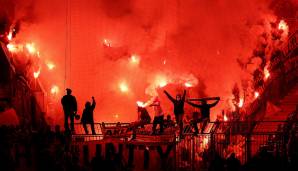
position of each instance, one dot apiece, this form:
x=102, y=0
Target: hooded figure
x=87, y=116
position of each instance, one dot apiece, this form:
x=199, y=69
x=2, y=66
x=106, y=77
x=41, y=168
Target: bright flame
x=9, y=36
x=205, y=142
x=164, y=62
x=241, y=102
x=135, y=59
x=31, y=48
x=257, y=94
x=266, y=73
x=106, y=42
x=123, y=87
x=225, y=118
x=187, y=84
x=11, y=47
x=116, y=116
x=50, y=65
x=140, y=104
x=36, y=74
x=283, y=25
x=54, y=89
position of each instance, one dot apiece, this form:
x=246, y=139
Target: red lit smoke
x=123, y=51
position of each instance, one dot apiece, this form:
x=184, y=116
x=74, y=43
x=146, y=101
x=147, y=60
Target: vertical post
x=86, y=154
x=146, y=158
x=130, y=155
x=248, y=147
x=98, y=150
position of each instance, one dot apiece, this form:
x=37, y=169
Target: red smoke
x=127, y=50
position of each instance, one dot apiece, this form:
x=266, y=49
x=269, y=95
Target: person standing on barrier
x=87, y=116
x=158, y=116
x=69, y=104
x=178, y=108
x=205, y=109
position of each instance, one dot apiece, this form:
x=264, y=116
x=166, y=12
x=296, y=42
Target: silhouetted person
x=217, y=164
x=205, y=110
x=178, y=108
x=87, y=116
x=143, y=119
x=168, y=122
x=194, y=122
x=233, y=164
x=158, y=116
x=69, y=104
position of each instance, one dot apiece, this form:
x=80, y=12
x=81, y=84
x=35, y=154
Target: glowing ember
x=241, y=102
x=9, y=36
x=205, y=142
x=123, y=87
x=257, y=94
x=164, y=62
x=283, y=25
x=31, y=48
x=50, y=65
x=36, y=74
x=162, y=83
x=54, y=89
x=135, y=59
x=11, y=48
x=116, y=116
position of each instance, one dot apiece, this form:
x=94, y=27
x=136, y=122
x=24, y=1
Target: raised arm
x=169, y=96
x=215, y=103
x=193, y=104
x=93, y=103
x=183, y=96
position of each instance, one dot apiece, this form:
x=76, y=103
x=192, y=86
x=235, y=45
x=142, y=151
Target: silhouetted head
x=178, y=97
x=204, y=102
x=88, y=104
x=168, y=117
x=233, y=155
x=68, y=91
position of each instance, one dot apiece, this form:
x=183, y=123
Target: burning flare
x=283, y=25
x=54, y=89
x=123, y=87
x=135, y=59
x=31, y=48
x=50, y=65
x=36, y=74
x=257, y=94
x=241, y=102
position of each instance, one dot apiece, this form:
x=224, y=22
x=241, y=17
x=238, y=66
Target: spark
x=123, y=87
x=164, y=61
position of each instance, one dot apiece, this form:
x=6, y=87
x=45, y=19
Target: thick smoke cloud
x=91, y=43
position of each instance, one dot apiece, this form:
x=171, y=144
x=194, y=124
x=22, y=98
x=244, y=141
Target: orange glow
x=54, y=89
x=205, y=142
x=135, y=59
x=283, y=25
x=116, y=116
x=257, y=94
x=11, y=47
x=36, y=74
x=50, y=65
x=241, y=102
x=164, y=62
x=123, y=87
